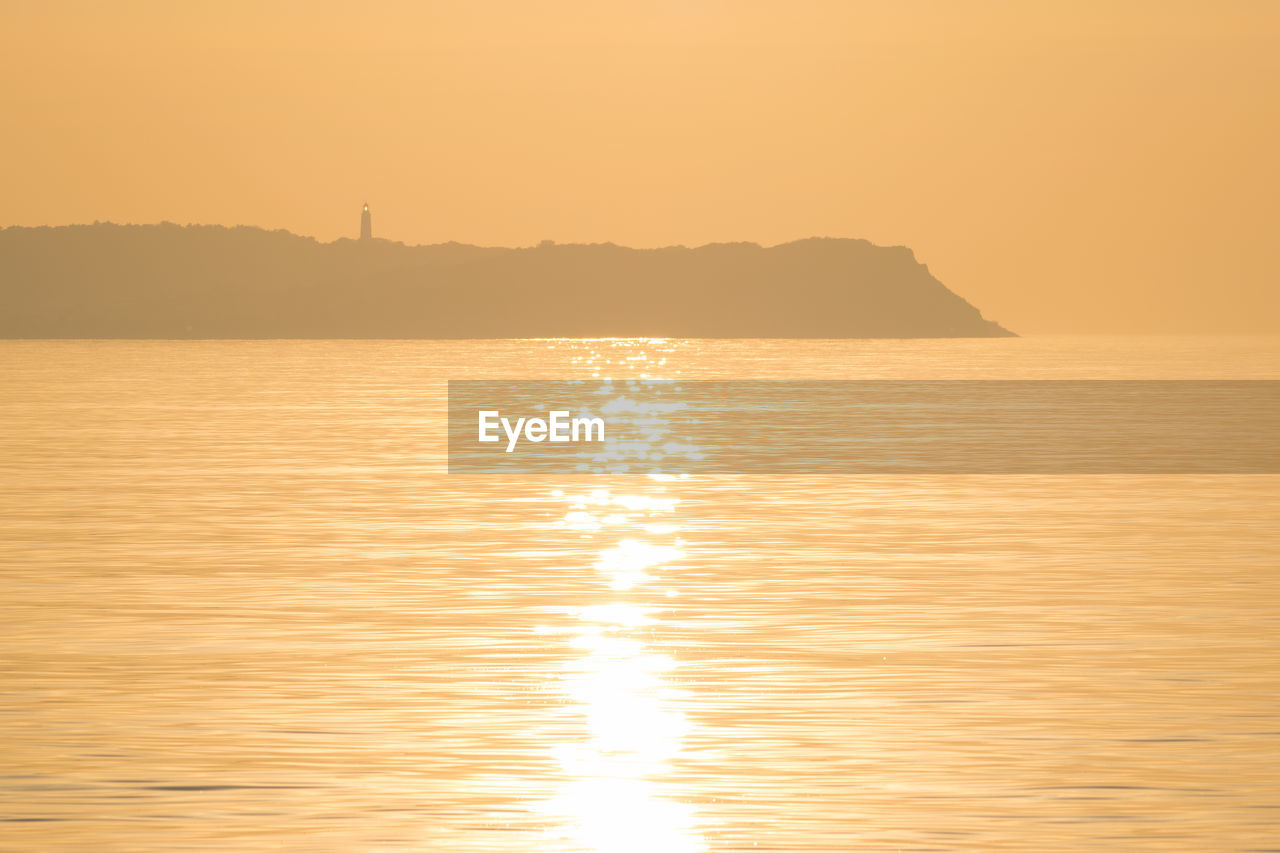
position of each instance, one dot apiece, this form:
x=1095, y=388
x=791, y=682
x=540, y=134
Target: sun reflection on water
x=625, y=565
x=616, y=797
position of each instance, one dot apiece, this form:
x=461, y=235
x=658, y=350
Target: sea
x=245, y=607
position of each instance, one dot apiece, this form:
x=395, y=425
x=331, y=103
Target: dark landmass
x=171, y=281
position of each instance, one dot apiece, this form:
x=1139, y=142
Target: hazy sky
x=1092, y=165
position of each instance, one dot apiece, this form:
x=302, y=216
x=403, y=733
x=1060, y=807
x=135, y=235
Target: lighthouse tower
x=366, y=224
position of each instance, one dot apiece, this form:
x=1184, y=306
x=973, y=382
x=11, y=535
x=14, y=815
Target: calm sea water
x=244, y=608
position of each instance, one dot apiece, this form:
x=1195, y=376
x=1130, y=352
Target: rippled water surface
x=244, y=608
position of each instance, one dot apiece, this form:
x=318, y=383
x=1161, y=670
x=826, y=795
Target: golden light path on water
x=613, y=798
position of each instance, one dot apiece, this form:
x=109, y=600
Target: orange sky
x=1066, y=166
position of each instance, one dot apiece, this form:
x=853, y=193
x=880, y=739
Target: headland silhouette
x=200, y=281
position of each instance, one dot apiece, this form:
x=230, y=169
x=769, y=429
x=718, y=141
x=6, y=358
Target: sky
x=1076, y=166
